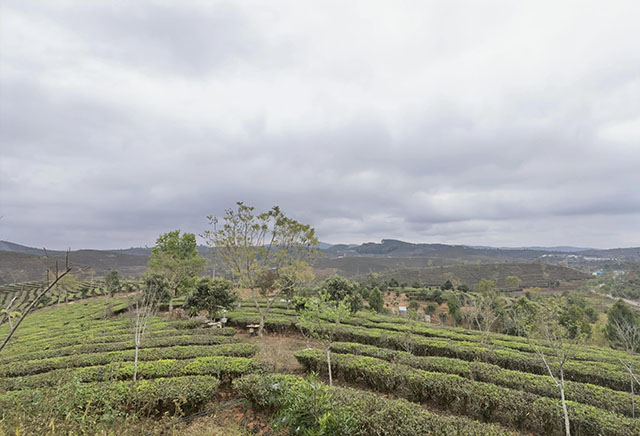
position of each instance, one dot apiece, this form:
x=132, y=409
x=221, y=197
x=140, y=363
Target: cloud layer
x=493, y=123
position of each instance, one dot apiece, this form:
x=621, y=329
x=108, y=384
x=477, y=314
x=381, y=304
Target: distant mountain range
x=396, y=248
x=562, y=249
x=21, y=263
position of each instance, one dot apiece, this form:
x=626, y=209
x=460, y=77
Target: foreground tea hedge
x=478, y=400
x=608, y=399
x=18, y=351
x=21, y=368
x=372, y=415
x=222, y=367
x=169, y=341
x=149, y=397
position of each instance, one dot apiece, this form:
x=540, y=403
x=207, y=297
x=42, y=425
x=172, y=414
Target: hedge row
x=274, y=322
x=126, y=345
x=148, y=397
x=286, y=319
x=478, y=400
x=86, y=318
x=49, y=343
x=516, y=342
x=116, y=327
x=20, y=368
x=223, y=367
x=593, y=354
x=600, y=373
x=585, y=393
x=373, y=415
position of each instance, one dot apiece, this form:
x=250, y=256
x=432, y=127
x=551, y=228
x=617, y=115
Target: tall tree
x=265, y=253
x=176, y=258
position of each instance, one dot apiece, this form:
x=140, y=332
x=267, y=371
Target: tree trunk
x=135, y=364
x=633, y=401
x=329, y=366
x=170, y=305
x=567, y=427
x=261, y=326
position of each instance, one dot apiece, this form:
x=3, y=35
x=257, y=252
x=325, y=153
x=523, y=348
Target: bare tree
x=628, y=334
x=143, y=307
x=8, y=315
x=480, y=312
x=555, y=346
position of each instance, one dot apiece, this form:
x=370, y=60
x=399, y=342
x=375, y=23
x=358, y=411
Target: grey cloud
x=170, y=37
x=141, y=118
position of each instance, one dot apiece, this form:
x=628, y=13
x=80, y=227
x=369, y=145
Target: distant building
x=402, y=310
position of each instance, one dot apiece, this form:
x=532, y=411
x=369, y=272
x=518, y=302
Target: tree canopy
x=342, y=289
x=112, y=283
x=376, y=302
x=212, y=295
x=176, y=258
x=263, y=252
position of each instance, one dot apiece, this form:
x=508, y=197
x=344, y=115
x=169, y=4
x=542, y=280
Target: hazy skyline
x=481, y=123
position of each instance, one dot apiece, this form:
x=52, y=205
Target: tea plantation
x=24, y=293
x=68, y=370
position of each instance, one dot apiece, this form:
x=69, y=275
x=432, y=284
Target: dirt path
x=278, y=349
x=626, y=300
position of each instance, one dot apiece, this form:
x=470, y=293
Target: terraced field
x=26, y=292
x=75, y=347
x=393, y=376
x=449, y=370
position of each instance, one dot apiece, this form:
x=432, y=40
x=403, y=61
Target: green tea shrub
x=370, y=414
x=478, y=400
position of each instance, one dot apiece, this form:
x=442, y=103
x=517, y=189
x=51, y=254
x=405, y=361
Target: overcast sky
x=502, y=123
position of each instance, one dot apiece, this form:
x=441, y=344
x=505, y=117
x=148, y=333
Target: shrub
x=210, y=295
x=148, y=397
x=370, y=414
x=310, y=409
